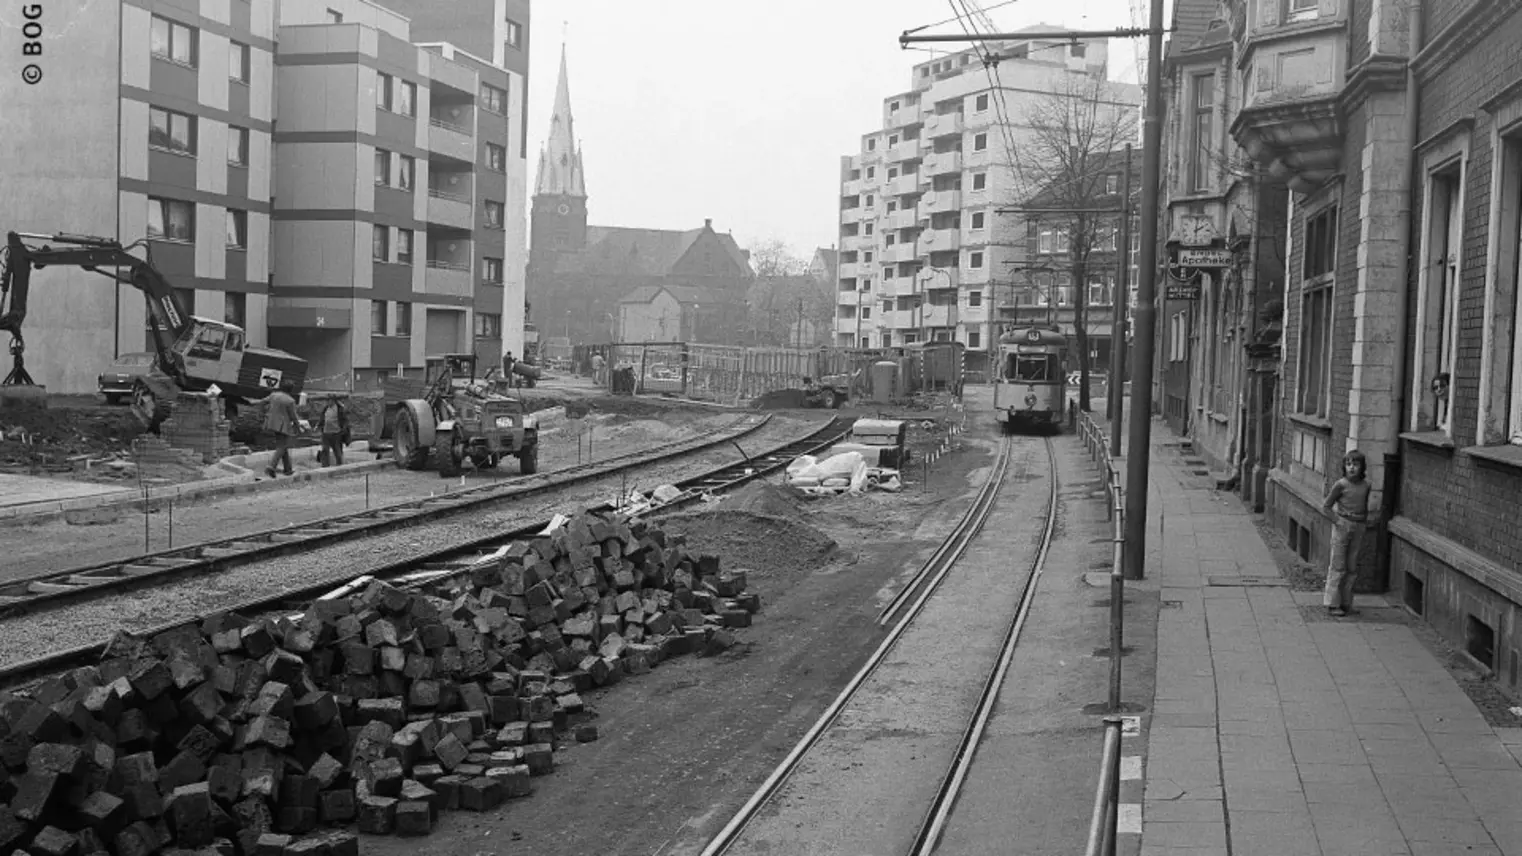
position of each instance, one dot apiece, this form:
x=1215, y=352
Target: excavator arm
x=27, y=252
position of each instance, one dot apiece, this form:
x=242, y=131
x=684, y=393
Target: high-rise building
x=923, y=248
x=376, y=230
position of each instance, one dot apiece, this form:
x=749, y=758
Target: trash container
x=623, y=380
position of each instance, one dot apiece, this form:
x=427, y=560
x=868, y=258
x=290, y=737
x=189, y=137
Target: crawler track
x=920, y=590
x=454, y=558
x=91, y=581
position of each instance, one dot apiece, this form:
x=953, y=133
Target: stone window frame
x=1437, y=158
x=1499, y=417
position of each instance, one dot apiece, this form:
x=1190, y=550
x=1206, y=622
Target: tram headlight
x=1030, y=400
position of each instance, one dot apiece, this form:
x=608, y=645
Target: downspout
x=1390, y=489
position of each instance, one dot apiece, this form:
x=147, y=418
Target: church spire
x=560, y=160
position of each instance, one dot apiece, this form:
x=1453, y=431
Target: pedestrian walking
x=1347, y=503
x=335, y=431
x=282, y=420
x=597, y=366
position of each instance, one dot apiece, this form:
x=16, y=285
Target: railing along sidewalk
x=1103, y=822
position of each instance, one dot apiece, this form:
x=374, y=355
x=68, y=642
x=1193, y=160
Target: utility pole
x=1145, y=334
x=1117, y=316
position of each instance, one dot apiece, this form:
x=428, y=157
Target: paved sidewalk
x=1279, y=731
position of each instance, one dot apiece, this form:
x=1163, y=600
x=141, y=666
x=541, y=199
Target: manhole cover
x=1261, y=582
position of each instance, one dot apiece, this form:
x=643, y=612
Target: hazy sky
x=740, y=110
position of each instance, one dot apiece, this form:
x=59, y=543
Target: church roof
x=686, y=295
x=560, y=168
x=640, y=252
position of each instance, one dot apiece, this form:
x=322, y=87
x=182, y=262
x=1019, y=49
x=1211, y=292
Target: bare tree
x=782, y=296
x=1067, y=183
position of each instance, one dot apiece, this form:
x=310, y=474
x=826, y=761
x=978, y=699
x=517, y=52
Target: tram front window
x=1032, y=368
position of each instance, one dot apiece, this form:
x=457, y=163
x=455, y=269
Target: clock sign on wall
x=564, y=209
x=1196, y=230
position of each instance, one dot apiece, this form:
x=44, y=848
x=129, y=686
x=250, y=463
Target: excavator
x=193, y=354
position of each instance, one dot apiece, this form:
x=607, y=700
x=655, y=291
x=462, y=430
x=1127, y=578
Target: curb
x=247, y=482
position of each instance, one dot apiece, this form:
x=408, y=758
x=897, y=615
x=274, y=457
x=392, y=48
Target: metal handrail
x=1106, y=815
x=443, y=265
x=445, y=194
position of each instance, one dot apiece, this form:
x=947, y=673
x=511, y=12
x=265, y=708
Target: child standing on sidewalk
x=1348, y=506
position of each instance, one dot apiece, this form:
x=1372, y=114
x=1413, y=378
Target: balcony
x=904, y=151
x=903, y=252
x=973, y=314
x=849, y=270
x=903, y=218
x=939, y=201
x=851, y=215
x=447, y=278
x=901, y=319
x=451, y=141
x=450, y=209
x=903, y=184
x=934, y=315
x=852, y=298
x=941, y=163
x=939, y=241
x=942, y=124
x=851, y=187
x=1289, y=123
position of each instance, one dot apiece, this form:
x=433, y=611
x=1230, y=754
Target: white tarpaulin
x=845, y=472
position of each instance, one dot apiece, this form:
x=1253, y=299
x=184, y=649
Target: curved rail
x=934, y=572
x=25, y=595
x=455, y=558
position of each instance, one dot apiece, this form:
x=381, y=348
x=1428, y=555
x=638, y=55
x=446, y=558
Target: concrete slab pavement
x=1278, y=730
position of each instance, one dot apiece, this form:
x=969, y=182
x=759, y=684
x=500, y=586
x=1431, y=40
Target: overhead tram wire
x=950, y=20
x=991, y=71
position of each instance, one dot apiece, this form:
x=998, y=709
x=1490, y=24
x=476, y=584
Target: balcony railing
x=939, y=241
x=942, y=162
x=852, y=215
x=452, y=278
x=450, y=209
x=903, y=218
x=451, y=141
x=903, y=184
x=942, y=124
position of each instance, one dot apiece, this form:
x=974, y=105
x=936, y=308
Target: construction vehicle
x=830, y=391
x=191, y=354
x=456, y=417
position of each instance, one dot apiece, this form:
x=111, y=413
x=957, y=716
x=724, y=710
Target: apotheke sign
x=1188, y=258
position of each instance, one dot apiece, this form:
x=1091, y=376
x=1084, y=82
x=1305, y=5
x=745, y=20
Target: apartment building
x=324, y=240
x=152, y=121
x=922, y=244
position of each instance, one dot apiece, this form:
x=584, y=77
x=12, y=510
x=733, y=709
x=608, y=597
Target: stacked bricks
x=198, y=424
x=381, y=709
x=155, y=458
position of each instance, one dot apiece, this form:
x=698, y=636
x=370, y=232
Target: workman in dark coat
x=282, y=420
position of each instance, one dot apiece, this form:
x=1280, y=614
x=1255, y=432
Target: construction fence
x=735, y=375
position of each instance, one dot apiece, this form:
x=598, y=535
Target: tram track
x=428, y=565
x=900, y=681
x=94, y=580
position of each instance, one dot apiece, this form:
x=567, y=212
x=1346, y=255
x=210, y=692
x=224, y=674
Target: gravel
x=34, y=635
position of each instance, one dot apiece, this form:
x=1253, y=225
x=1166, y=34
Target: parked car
x=115, y=383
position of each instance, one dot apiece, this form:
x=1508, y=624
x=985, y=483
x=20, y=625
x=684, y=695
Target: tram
x=1031, y=386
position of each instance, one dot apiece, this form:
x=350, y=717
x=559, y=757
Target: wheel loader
x=454, y=418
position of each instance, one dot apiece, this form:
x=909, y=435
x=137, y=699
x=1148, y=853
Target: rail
x=1103, y=823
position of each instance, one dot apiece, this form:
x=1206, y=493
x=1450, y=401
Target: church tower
x=559, y=212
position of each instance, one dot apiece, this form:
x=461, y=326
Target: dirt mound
x=768, y=546
x=778, y=399
x=761, y=497
x=32, y=438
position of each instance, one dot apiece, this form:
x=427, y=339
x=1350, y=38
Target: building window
x=377, y=317
x=974, y=339
x=237, y=145
x=866, y=312
x=1078, y=51
x=871, y=172
x=1100, y=292
x=380, y=244
x=406, y=99
x=893, y=139
x=974, y=298
x=980, y=142
x=404, y=246
x=335, y=17
x=173, y=41
x=975, y=260
x=493, y=99
x=1300, y=10
x=1501, y=363
x=407, y=165
x=237, y=229
x=1313, y=390
x=979, y=180
x=496, y=157
x=871, y=201
x=514, y=34
x=494, y=214
x=488, y=326
x=491, y=271
x=1201, y=154
x=171, y=219
x=237, y=62
x=1437, y=298
x=235, y=308
x=866, y=256
x=403, y=319
x=981, y=104
x=382, y=168
x=872, y=145
x=1112, y=184
x=383, y=90
x=866, y=229
x=175, y=132
x=977, y=220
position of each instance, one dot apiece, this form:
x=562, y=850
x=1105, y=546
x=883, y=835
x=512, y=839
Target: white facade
x=923, y=250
